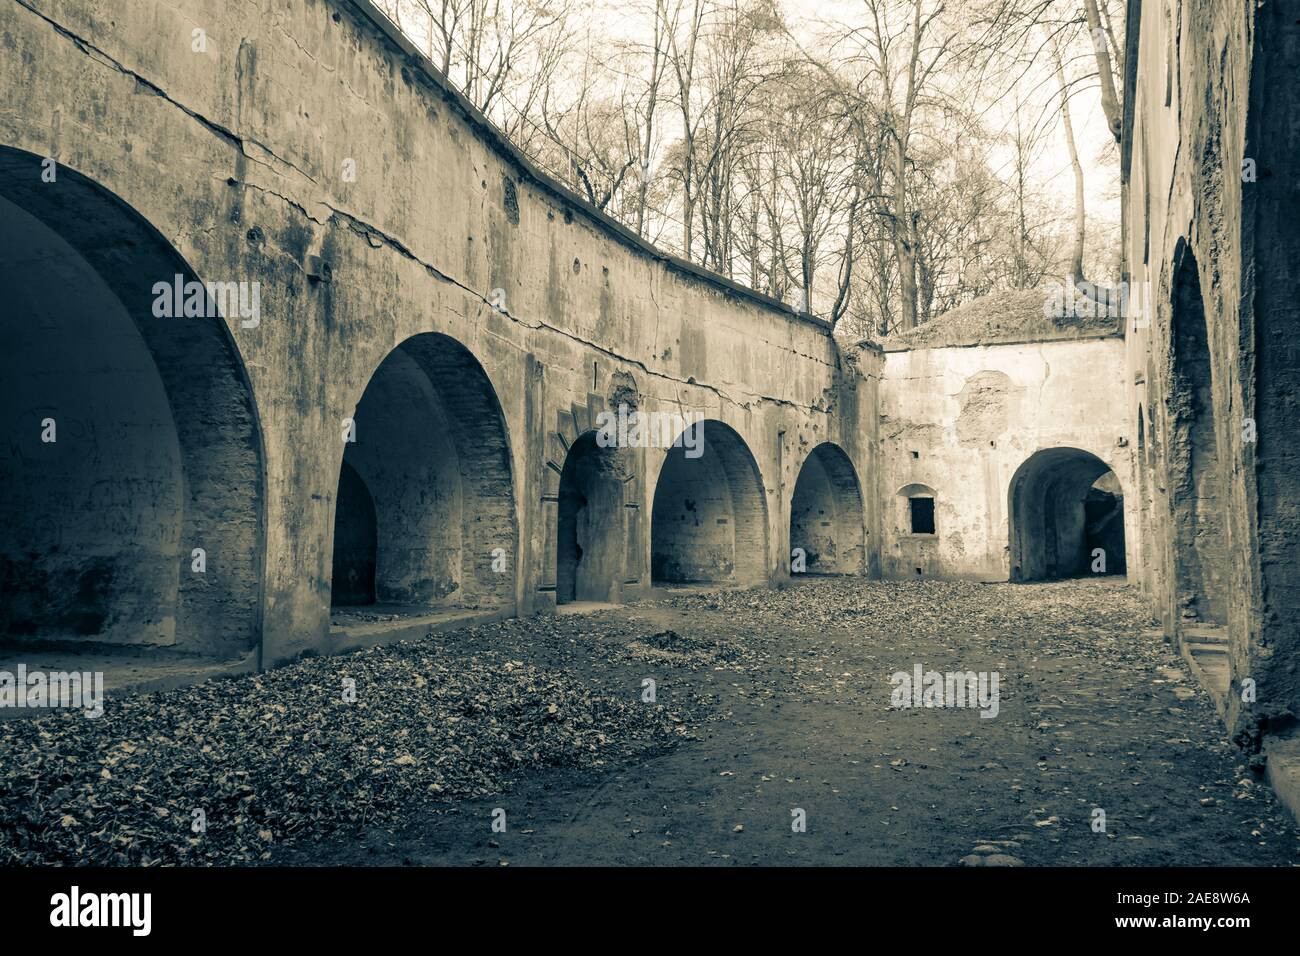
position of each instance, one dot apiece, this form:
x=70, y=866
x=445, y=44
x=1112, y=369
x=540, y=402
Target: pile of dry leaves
x=320, y=746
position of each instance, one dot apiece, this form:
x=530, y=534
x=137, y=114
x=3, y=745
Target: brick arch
x=431, y=450
x=162, y=455
x=826, y=513
x=709, y=519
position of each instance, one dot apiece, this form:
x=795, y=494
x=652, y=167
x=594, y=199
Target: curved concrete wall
x=242, y=155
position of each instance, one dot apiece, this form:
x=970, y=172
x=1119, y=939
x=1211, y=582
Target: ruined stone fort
x=301, y=355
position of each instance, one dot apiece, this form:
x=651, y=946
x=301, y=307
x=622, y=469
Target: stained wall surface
x=304, y=147
x=1212, y=140
x=958, y=422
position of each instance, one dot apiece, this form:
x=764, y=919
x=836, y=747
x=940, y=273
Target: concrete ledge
x=585, y=607
x=352, y=637
x=1282, y=771
x=1206, y=651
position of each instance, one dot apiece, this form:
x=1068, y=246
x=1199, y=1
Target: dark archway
x=1064, y=504
x=141, y=522
x=356, y=541
x=709, y=520
x=1103, y=525
x=1200, y=537
x=427, y=464
x=826, y=517
x=591, y=543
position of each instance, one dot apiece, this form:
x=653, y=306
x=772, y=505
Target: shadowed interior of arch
x=131, y=490
x=356, y=541
x=424, y=515
x=709, y=520
x=826, y=518
x=1066, y=512
x=592, y=534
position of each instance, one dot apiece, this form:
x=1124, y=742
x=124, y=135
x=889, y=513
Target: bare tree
x=647, y=108
x=1080, y=216
x=902, y=57
x=860, y=176
x=596, y=138
x=490, y=49
x=685, y=27
x=1102, y=39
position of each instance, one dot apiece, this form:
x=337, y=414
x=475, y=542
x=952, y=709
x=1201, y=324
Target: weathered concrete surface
x=1211, y=165
x=958, y=422
x=505, y=316
x=424, y=290
x=235, y=162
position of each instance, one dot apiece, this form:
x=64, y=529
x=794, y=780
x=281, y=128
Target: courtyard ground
x=766, y=702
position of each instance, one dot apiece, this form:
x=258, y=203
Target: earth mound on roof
x=1015, y=315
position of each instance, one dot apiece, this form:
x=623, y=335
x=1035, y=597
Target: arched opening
x=591, y=540
x=709, y=520
x=424, y=516
x=1065, y=506
x=826, y=520
x=1200, y=547
x=131, y=486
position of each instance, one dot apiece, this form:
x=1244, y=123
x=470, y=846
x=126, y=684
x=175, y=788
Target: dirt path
x=1094, y=713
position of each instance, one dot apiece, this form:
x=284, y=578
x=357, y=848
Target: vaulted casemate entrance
x=826, y=519
x=709, y=523
x=1065, y=506
x=1196, y=485
x=131, y=476
x=424, y=516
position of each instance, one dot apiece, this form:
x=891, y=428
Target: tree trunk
x=904, y=249
x=1101, y=47
x=1076, y=255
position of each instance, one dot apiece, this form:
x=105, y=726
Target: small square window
x=922, y=515
x=916, y=454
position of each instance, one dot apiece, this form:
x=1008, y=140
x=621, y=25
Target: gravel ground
x=767, y=702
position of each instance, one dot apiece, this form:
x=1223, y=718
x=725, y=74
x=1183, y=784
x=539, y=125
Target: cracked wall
x=957, y=423
x=305, y=148
x=1210, y=166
